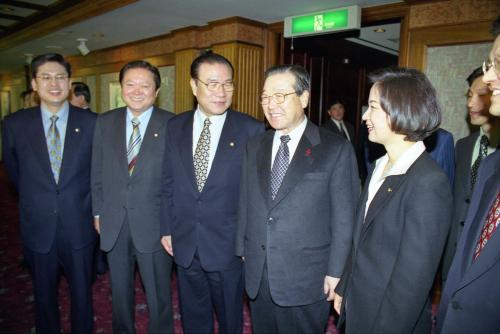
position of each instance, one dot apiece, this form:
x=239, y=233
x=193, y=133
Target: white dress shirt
x=399, y=168
x=217, y=123
x=295, y=136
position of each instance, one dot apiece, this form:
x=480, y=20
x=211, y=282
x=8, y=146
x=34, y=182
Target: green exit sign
x=333, y=20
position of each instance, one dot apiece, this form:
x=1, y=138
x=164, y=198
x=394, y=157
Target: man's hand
x=329, y=287
x=97, y=225
x=337, y=303
x=166, y=242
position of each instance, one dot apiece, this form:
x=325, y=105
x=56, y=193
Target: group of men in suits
x=471, y=294
x=159, y=187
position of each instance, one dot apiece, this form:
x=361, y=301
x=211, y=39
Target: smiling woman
x=406, y=203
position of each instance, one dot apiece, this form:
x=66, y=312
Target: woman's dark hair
x=410, y=100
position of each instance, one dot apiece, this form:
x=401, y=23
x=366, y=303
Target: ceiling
x=137, y=20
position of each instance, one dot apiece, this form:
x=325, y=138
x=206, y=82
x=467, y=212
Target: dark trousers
x=202, y=292
x=46, y=269
x=268, y=317
x=155, y=270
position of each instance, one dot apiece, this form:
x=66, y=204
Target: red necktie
x=490, y=226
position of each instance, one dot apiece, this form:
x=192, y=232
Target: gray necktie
x=54, y=147
x=280, y=165
x=483, y=152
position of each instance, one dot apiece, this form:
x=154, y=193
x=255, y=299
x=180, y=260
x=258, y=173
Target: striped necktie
x=483, y=152
x=54, y=147
x=134, y=145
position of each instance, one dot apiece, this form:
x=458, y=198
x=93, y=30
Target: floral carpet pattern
x=16, y=291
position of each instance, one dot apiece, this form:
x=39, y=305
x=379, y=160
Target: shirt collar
x=199, y=117
x=62, y=113
x=405, y=161
x=142, y=117
x=296, y=133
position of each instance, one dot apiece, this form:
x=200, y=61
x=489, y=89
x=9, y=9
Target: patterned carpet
x=16, y=292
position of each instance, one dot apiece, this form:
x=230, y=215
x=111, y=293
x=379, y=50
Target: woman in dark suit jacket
x=403, y=214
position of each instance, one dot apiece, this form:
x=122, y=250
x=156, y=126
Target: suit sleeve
x=426, y=220
x=241, y=224
x=96, y=169
x=344, y=193
x=167, y=190
x=9, y=152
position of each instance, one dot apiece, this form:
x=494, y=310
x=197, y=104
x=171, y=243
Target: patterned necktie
x=281, y=162
x=490, y=226
x=134, y=145
x=54, y=147
x=201, y=155
x=483, y=152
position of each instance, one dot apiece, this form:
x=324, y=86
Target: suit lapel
x=150, y=137
x=186, y=148
x=39, y=143
x=382, y=197
x=71, y=144
x=489, y=255
x=301, y=162
x=263, y=158
x=227, y=144
x=119, y=140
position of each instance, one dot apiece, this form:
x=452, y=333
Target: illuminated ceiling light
x=379, y=30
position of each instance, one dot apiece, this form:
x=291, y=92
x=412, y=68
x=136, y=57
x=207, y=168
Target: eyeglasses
x=489, y=64
x=46, y=78
x=278, y=98
x=214, y=85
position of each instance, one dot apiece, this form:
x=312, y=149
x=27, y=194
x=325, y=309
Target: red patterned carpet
x=16, y=293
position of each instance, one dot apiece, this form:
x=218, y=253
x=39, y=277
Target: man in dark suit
x=80, y=95
x=202, y=176
x=469, y=153
x=336, y=122
x=47, y=154
x=298, y=194
x=126, y=188
x=471, y=296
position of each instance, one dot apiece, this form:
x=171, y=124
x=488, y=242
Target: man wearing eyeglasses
x=471, y=296
x=201, y=185
x=297, y=202
x=47, y=154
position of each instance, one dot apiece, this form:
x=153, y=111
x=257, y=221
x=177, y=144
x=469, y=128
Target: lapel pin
x=389, y=190
x=155, y=135
x=77, y=130
x=231, y=143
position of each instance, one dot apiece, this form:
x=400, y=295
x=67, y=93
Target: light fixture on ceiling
x=84, y=50
x=28, y=58
x=379, y=30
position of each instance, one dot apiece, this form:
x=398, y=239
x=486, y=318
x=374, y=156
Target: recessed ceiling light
x=379, y=30
x=54, y=47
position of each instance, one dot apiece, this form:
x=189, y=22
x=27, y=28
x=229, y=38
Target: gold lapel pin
x=77, y=130
x=231, y=143
x=389, y=189
x=155, y=135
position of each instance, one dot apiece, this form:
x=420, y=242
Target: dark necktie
x=342, y=131
x=201, y=155
x=54, y=146
x=134, y=145
x=490, y=226
x=280, y=165
x=483, y=152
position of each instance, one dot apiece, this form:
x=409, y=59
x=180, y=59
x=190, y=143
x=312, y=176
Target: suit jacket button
x=462, y=223
x=57, y=192
x=467, y=200
x=263, y=247
x=456, y=305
